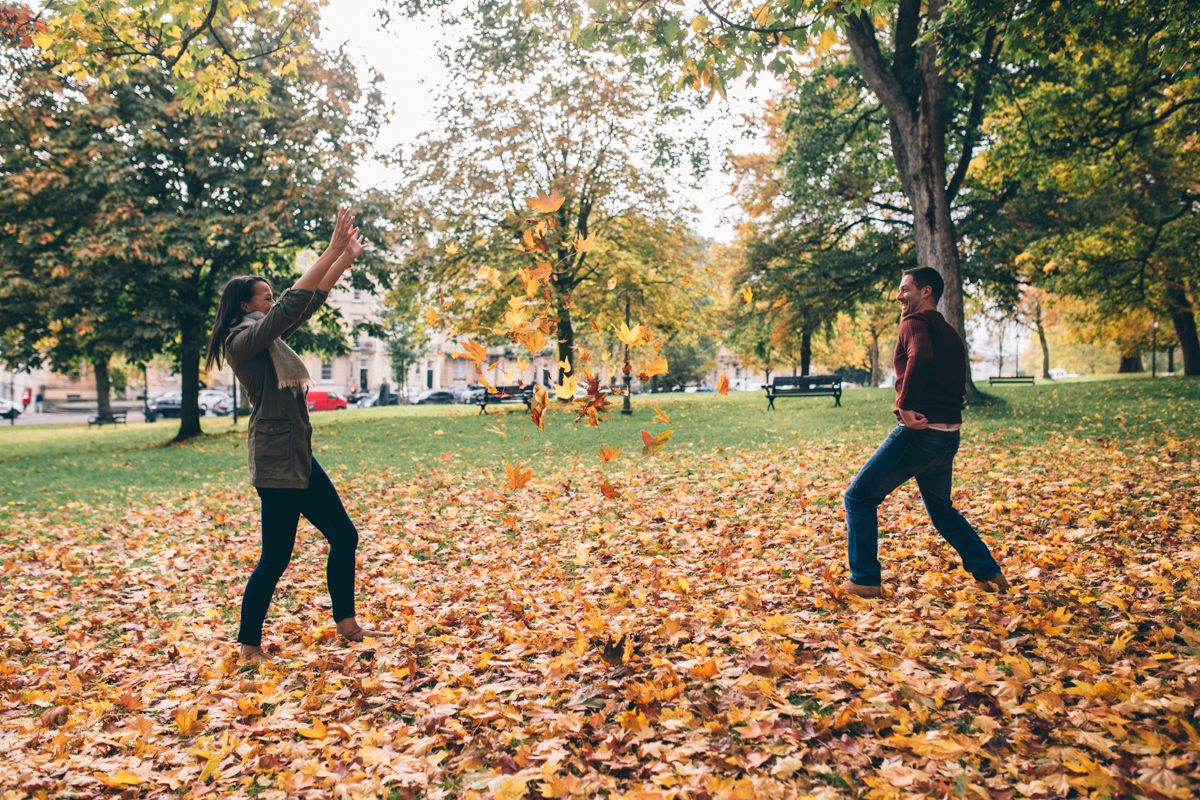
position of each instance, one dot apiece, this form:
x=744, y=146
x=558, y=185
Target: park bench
x=112, y=419
x=505, y=394
x=1017, y=379
x=804, y=386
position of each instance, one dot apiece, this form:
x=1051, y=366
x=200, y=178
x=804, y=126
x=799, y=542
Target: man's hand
x=342, y=232
x=912, y=419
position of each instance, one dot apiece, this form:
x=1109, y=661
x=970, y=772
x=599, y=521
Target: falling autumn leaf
x=516, y=478
x=723, y=385
x=473, y=351
x=582, y=245
x=747, y=295
x=658, y=412
x=546, y=204
x=651, y=444
x=431, y=316
x=490, y=275
x=609, y=453
x=566, y=389
x=656, y=367
x=451, y=248
x=627, y=335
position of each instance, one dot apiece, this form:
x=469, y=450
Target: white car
x=9, y=410
x=215, y=401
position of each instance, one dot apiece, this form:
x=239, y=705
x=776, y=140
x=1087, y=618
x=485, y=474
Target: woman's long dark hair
x=229, y=313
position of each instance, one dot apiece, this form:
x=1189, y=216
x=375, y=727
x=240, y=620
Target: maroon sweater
x=931, y=368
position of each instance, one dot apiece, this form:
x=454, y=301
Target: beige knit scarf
x=289, y=368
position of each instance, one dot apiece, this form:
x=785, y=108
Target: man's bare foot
x=349, y=628
x=255, y=654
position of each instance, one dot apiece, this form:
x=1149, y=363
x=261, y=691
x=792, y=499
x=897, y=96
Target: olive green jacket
x=280, y=435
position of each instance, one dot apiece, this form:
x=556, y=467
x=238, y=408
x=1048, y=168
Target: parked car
x=326, y=401
x=434, y=396
x=215, y=401
x=9, y=410
x=472, y=394
x=371, y=400
x=166, y=405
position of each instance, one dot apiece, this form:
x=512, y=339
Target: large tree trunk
x=1185, y=331
x=914, y=92
x=566, y=342
x=1131, y=364
x=805, y=352
x=103, y=386
x=190, y=344
x=874, y=358
x=1041, y=332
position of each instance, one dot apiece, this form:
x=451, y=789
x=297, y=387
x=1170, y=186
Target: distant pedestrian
x=26, y=397
x=931, y=379
x=37, y=407
x=249, y=332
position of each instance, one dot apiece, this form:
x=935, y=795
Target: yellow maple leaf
x=317, y=731
x=651, y=444
x=451, y=248
x=582, y=245
x=431, y=316
x=629, y=335
x=747, y=295
x=507, y=377
x=565, y=365
x=186, y=719
x=566, y=389
x=659, y=412
x=490, y=275
x=546, y=204
x=474, y=351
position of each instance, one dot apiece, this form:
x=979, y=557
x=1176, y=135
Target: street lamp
x=1154, y=351
x=626, y=408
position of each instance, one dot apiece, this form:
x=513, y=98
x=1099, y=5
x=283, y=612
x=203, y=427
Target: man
x=931, y=379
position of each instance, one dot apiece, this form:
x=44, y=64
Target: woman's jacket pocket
x=272, y=445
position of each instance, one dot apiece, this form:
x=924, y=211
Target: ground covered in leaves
x=681, y=634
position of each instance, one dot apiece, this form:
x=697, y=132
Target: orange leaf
x=547, y=204
x=317, y=731
x=707, y=670
x=474, y=351
x=609, y=491
x=516, y=478
x=446, y=456
x=608, y=453
x=659, y=414
x=187, y=722
x=656, y=367
x=541, y=270
x=723, y=385
x=651, y=444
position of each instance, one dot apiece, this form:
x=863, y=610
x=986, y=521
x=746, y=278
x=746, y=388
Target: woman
x=249, y=334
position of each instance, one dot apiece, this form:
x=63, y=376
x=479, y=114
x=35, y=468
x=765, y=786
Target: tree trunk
x=1131, y=364
x=566, y=342
x=1185, y=331
x=1041, y=331
x=103, y=386
x=1171, y=359
x=874, y=358
x=917, y=123
x=805, y=352
x=189, y=374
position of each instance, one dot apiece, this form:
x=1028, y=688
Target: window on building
x=326, y=370
x=357, y=295
x=460, y=369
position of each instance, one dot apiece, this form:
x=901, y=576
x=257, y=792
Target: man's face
x=910, y=297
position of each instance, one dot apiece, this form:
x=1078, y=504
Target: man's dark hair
x=928, y=276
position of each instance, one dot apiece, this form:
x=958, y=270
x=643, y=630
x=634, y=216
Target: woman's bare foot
x=349, y=628
x=255, y=654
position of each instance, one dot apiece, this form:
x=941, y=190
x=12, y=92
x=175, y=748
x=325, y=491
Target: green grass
x=52, y=465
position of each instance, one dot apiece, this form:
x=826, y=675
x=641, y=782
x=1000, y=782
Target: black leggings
x=281, y=510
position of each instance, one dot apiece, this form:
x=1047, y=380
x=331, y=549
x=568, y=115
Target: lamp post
x=1154, y=351
x=627, y=369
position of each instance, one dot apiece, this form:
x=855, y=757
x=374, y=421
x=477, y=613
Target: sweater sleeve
x=918, y=348
x=318, y=300
x=282, y=316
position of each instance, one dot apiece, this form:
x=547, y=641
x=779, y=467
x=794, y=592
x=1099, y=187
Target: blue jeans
x=928, y=456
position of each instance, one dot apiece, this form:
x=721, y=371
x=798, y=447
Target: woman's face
x=262, y=300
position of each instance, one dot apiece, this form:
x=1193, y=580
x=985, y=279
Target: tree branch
x=750, y=29
x=983, y=83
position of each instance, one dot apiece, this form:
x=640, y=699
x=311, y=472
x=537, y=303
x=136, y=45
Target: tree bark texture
x=914, y=92
x=805, y=352
x=1184, y=320
x=103, y=386
x=566, y=341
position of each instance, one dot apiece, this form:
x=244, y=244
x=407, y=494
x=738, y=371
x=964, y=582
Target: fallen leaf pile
x=685, y=636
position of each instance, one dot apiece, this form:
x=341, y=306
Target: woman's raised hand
x=342, y=231
x=355, y=246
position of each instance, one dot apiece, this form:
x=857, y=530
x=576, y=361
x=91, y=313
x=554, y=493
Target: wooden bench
x=1018, y=379
x=112, y=419
x=505, y=394
x=804, y=386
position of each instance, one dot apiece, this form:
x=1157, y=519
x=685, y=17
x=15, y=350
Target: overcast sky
x=405, y=55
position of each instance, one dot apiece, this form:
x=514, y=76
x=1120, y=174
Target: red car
x=325, y=401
